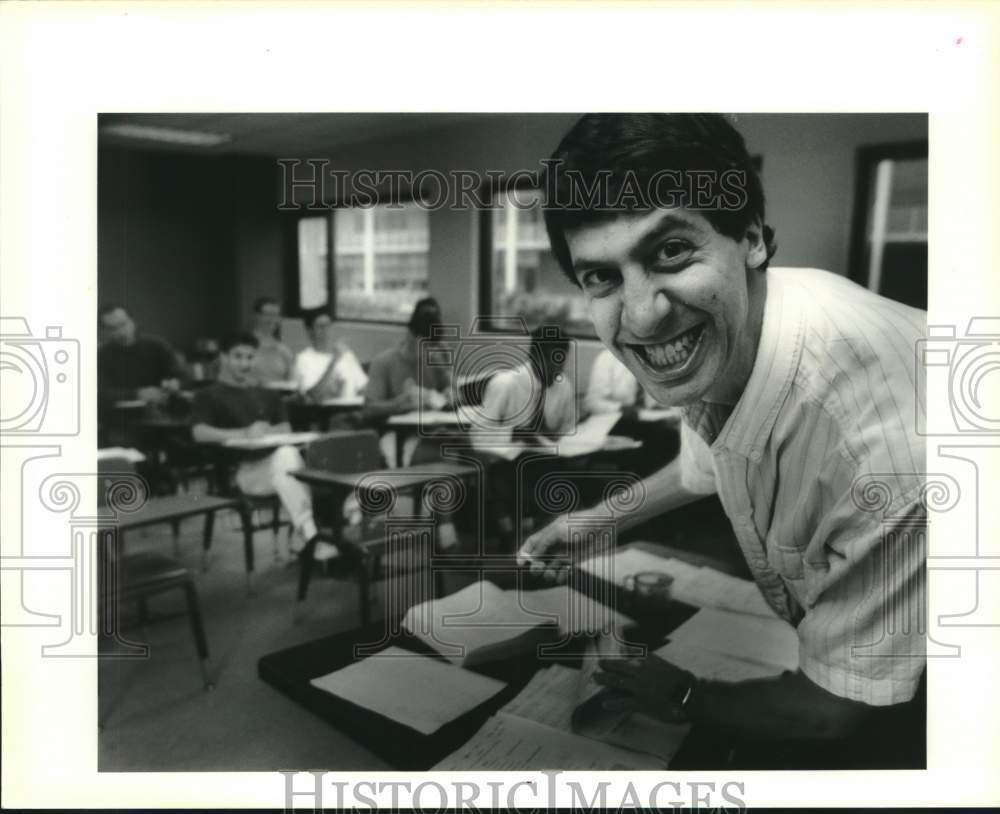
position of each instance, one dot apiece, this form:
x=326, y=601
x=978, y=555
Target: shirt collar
x=748, y=427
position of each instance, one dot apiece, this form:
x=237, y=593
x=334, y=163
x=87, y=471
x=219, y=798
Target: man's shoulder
x=152, y=342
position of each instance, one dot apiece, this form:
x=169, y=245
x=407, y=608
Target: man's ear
x=757, y=247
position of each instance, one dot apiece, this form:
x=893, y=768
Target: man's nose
x=646, y=303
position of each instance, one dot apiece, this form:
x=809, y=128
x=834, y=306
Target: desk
x=309, y=415
x=290, y=671
x=406, y=424
x=375, y=490
x=893, y=739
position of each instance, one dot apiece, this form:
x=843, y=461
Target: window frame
x=488, y=193
x=293, y=302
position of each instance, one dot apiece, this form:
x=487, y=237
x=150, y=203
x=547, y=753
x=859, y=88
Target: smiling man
x=797, y=389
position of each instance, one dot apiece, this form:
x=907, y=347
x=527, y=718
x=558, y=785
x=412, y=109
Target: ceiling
x=277, y=134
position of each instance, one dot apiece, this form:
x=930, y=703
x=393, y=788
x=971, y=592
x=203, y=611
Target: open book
x=483, y=623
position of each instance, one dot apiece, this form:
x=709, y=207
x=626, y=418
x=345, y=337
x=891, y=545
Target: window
x=523, y=278
x=889, y=247
x=378, y=266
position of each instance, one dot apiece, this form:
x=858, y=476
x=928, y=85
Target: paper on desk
x=589, y=436
x=425, y=418
x=700, y=586
x=344, y=401
x=127, y=453
x=511, y=743
x=420, y=692
x=277, y=439
x=752, y=638
x=714, y=666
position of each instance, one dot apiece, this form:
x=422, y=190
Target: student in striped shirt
x=799, y=400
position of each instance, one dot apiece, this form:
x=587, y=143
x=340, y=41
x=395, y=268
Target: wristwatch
x=681, y=697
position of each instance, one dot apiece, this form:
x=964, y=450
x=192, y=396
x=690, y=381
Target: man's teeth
x=671, y=354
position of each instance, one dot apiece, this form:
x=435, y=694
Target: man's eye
x=599, y=281
x=673, y=250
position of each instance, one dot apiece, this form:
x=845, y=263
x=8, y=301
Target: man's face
x=238, y=364
x=669, y=296
x=321, y=333
x=268, y=319
x=117, y=327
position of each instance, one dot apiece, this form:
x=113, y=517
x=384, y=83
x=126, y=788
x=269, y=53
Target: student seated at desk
x=274, y=358
x=236, y=407
x=328, y=368
x=132, y=366
x=524, y=405
x=399, y=382
x=535, y=398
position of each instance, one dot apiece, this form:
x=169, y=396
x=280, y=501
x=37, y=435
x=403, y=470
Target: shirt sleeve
x=353, y=375
x=862, y=636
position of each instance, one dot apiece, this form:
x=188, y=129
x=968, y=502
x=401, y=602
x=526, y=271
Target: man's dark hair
x=260, y=302
x=606, y=157
x=230, y=341
x=108, y=308
x=310, y=317
x=426, y=314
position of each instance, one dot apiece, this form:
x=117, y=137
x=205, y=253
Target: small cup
x=648, y=590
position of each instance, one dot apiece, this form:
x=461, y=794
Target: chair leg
x=175, y=527
x=198, y=629
x=206, y=539
x=306, y=557
x=246, y=516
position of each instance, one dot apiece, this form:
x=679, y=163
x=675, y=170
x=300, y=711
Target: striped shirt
x=820, y=470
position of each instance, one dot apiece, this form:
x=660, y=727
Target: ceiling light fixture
x=167, y=135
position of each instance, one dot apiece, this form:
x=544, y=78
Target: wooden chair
x=127, y=578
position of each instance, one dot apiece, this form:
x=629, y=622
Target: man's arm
x=546, y=551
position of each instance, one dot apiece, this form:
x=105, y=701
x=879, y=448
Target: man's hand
x=257, y=429
x=546, y=552
x=645, y=685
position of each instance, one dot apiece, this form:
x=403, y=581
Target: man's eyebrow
x=668, y=221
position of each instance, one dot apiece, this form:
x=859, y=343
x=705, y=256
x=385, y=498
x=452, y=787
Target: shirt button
x=755, y=456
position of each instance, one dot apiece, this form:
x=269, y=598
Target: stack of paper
x=419, y=692
x=726, y=646
x=483, y=623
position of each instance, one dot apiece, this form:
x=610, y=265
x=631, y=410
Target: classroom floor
x=157, y=717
